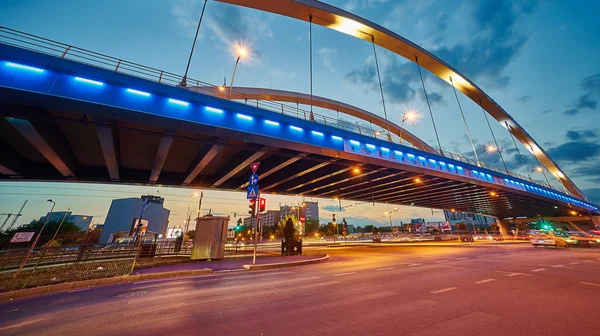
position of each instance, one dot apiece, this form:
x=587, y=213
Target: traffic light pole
x=254, y=216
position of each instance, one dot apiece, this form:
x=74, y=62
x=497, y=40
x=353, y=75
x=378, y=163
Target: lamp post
x=407, y=116
x=187, y=225
x=241, y=52
x=35, y=240
x=389, y=213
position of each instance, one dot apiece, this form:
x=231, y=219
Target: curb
x=282, y=265
x=68, y=286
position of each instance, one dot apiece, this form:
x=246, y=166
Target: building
x=469, y=218
x=249, y=221
x=306, y=210
x=153, y=199
x=124, y=214
x=82, y=221
x=271, y=217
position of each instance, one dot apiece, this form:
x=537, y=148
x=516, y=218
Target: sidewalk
x=226, y=264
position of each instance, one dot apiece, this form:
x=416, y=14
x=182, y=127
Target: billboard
x=173, y=232
x=442, y=226
x=22, y=237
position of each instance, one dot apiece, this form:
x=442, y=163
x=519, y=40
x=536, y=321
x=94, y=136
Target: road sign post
x=254, y=192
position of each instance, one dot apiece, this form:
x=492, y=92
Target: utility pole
x=61, y=222
x=35, y=240
x=200, y=202
x=18, y=215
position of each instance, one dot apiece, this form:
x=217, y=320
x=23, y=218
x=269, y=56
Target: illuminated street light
x=417, y=180
x=539, y=169
x=409, y=116
x=241, y=53
x=491, y=148
x=574, y=213
x=356, y=170
x=493, y=193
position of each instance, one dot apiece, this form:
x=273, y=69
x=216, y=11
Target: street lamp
x=409, y=116
x=36, y=239
x=491, y=148
x=390, y=217
x=241, y=53
x=187, y=225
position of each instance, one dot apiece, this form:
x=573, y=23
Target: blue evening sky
x=537, y=59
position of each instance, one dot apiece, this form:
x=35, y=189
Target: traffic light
x=238, y=227
x=252, y=207
x=262, y=204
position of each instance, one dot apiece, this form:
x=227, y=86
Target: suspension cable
x=493, y=136
x=517, y=148
x=539, y=164
x=183, y=80
x=429, y=106
x=389, y=136
x=312, y=117
x=465, y=120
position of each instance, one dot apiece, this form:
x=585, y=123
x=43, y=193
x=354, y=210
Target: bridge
x=70, y=114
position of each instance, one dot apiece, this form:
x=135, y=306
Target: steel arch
x=348, y=23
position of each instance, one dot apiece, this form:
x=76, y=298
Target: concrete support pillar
x=504, y=228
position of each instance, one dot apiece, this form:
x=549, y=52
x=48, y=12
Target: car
x=594, y=236
x=547, y=239
x=483, y=237
x=466, y=237
x=578, y=238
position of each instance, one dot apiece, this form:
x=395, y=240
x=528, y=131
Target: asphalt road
x=405, y=290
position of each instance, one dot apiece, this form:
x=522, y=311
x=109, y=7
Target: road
x=405, y=290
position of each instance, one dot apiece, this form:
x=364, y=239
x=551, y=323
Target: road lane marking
x=448, y=266
x=562, y=266
x=575, y=263
x=462, y=258
x=538, y=270
x=484, y=281
x=497, y=254
x=385, y=269
x=482, y=256
x=79, y=290
x=444, y=290
x=411, y=265
x=587, y=260
x=512, y=274
x=342, y=274
x=441, y=261
x=590, y=283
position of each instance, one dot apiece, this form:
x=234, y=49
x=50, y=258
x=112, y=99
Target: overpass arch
x=302, y=98
x=335, y=18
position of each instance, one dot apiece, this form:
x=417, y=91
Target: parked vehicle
x=548, y=239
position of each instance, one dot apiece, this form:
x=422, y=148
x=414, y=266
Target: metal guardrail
x=58, y=49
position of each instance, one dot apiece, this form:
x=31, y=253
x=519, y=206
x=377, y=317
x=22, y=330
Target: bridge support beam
x=161, y=156
x=212, y=152
x=107, y=144
x=245, y=164
x=39, y=142
x=10, y=161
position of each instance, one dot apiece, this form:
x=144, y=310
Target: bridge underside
x=69, y=142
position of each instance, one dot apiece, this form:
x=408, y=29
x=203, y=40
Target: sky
x=537, y=58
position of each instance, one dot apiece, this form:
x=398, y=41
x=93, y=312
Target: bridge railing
x=62, y=50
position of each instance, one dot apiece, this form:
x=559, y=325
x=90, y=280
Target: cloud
x=485, y=55
x=352, y=5
x=589, y=99
x=332, y=208
x=580, y=135
x=587, y=170
x=575, y=151
x=523, y=99
x=227, y=24
x=327, y=56
x=396, y=78
x=593, y=194
x=547, y=111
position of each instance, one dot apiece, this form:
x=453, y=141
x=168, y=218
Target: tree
x=281, y=224
x=68, y=231
x=311, y=226
x=461, y=227
x=289, y=230
x=190, y=234
x=368, y=228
